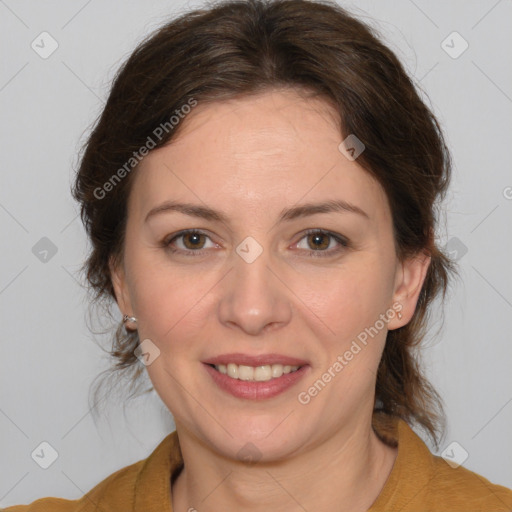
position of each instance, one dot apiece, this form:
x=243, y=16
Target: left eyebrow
x=339, y=206
x=286, y=215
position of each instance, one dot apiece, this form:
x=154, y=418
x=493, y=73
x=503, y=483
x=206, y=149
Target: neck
x=346, y=471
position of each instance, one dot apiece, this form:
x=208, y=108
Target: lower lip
x=256, y=390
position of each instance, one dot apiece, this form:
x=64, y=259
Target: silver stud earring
x=130, y=319
x=399, y=315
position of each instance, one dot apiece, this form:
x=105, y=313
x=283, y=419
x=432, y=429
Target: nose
x=255, y=297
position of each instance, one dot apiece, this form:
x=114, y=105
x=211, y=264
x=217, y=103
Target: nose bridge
x=254, y=297
x=252, y=261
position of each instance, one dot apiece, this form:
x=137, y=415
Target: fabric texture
x=418, y=482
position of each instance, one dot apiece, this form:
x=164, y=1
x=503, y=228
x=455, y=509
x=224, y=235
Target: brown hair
x=241, y=47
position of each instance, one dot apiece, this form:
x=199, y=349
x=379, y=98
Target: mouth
x=262, y=373
x=256, y=381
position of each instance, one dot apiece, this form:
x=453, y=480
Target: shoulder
x=135, y=487
x=116, y=488
x=423, y=482
x=464, y=488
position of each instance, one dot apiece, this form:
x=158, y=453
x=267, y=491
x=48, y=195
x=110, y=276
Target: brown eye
x=188, y=242
x=193, y=240
x=318, y=242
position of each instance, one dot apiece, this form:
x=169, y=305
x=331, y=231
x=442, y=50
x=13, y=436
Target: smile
x=255, y=382
x=255, y=373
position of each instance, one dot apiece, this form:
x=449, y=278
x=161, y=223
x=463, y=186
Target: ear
x=118, y=277
x=410, y=276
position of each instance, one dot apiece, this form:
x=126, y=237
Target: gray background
x=49, y=357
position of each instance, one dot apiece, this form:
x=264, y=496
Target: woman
x=260, y=196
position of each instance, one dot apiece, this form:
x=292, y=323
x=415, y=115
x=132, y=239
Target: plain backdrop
x=49, y=358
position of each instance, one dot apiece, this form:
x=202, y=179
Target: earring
x=399, y=315
x=131, y=319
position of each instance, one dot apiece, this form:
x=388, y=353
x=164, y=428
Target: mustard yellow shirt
x=418, y=482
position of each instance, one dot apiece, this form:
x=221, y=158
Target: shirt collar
x=413, y=468
x=152, y=491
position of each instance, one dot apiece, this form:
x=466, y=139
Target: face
x=262, y=273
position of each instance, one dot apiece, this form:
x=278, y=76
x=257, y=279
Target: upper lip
x=260, y=360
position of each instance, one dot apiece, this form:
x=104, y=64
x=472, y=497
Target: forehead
x=257, y=154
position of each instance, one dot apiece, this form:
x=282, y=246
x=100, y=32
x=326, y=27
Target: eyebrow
x=287, y=214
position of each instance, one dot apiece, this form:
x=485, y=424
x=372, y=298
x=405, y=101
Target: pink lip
x=261, y=360
x=256, y=390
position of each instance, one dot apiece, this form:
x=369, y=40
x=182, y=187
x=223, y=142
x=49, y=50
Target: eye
x=193, y=242
x=321, y=240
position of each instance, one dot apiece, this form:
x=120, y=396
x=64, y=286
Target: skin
x=250, y=158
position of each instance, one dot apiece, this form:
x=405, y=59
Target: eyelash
x=313, y=254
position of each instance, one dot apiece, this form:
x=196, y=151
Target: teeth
x=256, y=374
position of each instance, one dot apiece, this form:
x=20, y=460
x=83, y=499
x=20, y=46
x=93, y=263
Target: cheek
x=348, y=299
x=350, y=303
x=170, y=301
x=172, y=315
